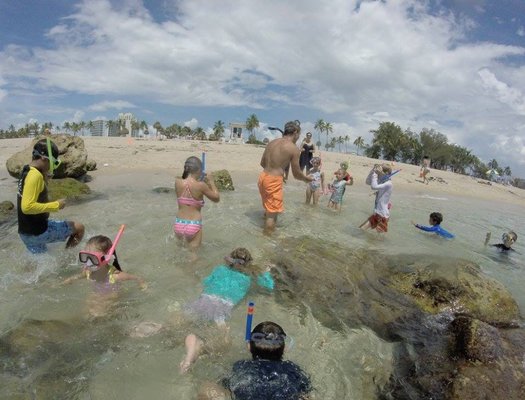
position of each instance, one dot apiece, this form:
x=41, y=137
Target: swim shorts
x=57, y=231
x=187, y=228
x=271, y=189
x=378, y=222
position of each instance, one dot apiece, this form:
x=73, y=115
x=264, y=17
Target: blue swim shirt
x=233, y=285
x=437, y=229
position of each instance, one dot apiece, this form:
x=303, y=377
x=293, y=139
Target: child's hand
x=413, y=223
x=61, y=203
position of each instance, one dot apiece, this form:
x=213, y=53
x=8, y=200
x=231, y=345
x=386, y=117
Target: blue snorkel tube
x=203, y=160
x=249, y=318
x=387, y=177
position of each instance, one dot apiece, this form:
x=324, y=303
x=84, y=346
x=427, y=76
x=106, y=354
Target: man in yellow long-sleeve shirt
x=34, y=226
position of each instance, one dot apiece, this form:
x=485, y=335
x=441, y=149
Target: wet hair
x=100, y=242
x=40, y=149
x=239, y=258
x=191, y=166
x=291, y=127
x=512, y=234
x=386, y=168
x=436, y=217
x=267, y=341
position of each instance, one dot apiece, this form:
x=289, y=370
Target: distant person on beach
x=435, y=220
x=191, y=189
x=34, y=226
x=307, y=152
x=337, y=188
x=379, y=219
x=316, y=187
x=266, y=375
x=104, y=272
x=278, y=154
x=508, y=239
x=223, y=289
x=425, y=169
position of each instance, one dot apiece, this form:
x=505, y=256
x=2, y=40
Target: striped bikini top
x=187, y=198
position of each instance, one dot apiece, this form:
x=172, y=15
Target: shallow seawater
x=114, y=365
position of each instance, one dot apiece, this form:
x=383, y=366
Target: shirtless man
x=277, y=155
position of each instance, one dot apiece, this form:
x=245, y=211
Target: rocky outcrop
x=223, y=180
x=67, y=188
x=72, y=153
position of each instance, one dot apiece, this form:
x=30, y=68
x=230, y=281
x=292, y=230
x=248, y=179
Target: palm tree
x=135, y=126
x=200, y=134
x=319, y=126
x=66, y=126
x=90, y=125
x=328, y=130
x=507, y=171
x=359, y=143
x=158, y=128
x=252, y=123
x=144, y=127
x=82, y=126
x=75, y=127
x=346, y=140
x=110, y=124
x=218, y=129
x=339, y=142
x=493, y=164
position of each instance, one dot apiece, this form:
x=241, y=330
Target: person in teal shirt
x=223, y=289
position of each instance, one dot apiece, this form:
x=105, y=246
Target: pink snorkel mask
x=94, y=260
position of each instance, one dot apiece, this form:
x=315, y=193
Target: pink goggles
x=94, y=260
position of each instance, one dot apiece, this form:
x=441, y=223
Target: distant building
x=99, y=128
x=236, y=131
x=127, y=120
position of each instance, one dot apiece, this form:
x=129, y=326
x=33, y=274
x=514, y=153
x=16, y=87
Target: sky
x=455, y=66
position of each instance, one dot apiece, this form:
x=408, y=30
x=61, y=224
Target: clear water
x=342, y=365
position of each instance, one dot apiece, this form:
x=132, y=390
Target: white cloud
x=192, y=123
x=390, y=60
x=520, y=31
x=107, y=105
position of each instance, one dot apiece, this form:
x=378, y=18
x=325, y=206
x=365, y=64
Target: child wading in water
x=379, y=219
x=224, y=288
x=191, y=189
x=100, y=266
x=316, y=187
x=435, y=220
x=337, y=187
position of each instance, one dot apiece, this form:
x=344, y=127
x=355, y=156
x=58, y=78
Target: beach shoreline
x=163, y=159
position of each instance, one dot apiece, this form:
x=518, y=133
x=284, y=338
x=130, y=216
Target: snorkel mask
x=54, y=163
x=94, y=260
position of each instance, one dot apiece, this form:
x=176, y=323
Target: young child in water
x=316, y=187
x=348, y=176
x=508, y=238
x=101, y=267
x=223, y=289
x=379, y=219
x=337, y=187
x=435, y=220
x=266, y=375
x=191, y=189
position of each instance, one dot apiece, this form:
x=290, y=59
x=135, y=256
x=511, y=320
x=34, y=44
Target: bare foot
x=193, y=349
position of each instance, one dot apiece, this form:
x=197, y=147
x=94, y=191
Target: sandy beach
x=120, y=156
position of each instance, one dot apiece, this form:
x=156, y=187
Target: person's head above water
x=267, y=341
x=239, y=258
x=192, y=165
x=509, y=238
x=95, y=253
x=436, y=218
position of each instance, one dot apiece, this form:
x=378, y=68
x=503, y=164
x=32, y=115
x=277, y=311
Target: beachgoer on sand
x=278, y=154
x=425, y=169
x=266, y=375
x=307, y=152
x=223, y=289
x=191, y=189
x=101, y=267
x=435, y=220
x=315, y=188
x=34, y=226
x=379, y=219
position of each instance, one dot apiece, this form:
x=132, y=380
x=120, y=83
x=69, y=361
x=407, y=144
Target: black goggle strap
x=115, y=262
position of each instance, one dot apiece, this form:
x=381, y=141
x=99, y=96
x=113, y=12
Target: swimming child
x=101, y=267
x=224, y=288
x=266, y=375
x=316, y=187
x=508, y=238
x=348, y=176
x=34, y=226
x=191, y=189
x=337, y=187
x=379, y=219
x=435, y=220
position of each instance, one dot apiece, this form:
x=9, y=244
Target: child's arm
x=124, y=276
x=487, y=238
x=323, y=188
x=426, y=228
x=376, y=186
x=265, y=280
x=210, y=190
x=350, y=180
x=33, y=186
x=73, y=278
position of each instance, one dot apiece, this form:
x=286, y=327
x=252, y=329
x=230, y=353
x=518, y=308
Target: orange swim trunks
x=379, y=223
x=271, y=189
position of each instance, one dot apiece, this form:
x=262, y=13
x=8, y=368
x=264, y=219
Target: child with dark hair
x=34, y=226
x=508, y=239
x=191, y=189
x=435, y=220
x=266, y=375
x=224, y=288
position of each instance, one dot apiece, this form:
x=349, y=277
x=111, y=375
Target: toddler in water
x=379, y=219
x=224, y=288
x=191, y=189
x=435, y=220
x=316, y=187
x=337, y=187
x=100, y=266
x=508, y=238
x=266, y=375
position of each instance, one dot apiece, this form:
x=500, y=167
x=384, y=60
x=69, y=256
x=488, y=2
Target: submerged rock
x=67, y=188
x=223, y=180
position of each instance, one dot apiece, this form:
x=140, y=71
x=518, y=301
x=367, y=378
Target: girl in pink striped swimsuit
x=191, y=189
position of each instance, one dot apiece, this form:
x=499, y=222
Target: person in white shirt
x=379, y=180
